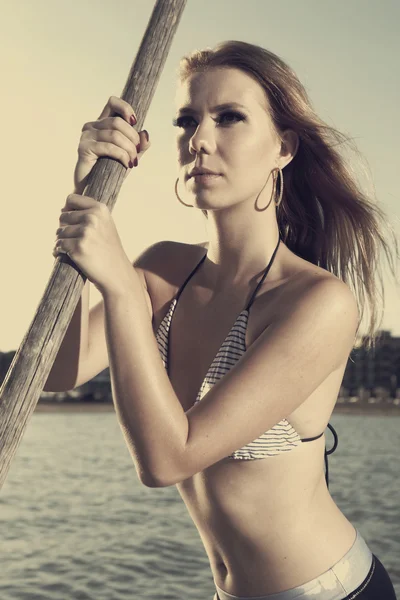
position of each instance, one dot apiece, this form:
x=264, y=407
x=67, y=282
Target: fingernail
x=146, y=134
x=135, y=162
x=138, y=148
x=133, y=120
x=130, y=164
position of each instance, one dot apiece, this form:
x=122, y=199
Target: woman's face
x=237, y=142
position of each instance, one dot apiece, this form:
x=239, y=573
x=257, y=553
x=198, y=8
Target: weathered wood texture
x=32, y=363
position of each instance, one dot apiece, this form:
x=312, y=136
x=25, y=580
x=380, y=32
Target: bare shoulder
x=315, y=286
x=308, y=276
x=325, y=280
x=163, y=265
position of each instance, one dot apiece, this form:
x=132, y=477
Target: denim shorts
x=359, y=574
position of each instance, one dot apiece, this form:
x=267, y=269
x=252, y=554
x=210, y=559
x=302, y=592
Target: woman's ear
x=289, y=146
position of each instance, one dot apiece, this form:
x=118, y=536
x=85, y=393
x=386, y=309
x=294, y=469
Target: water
x=76, y=523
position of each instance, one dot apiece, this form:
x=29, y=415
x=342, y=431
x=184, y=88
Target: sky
x=60, y=62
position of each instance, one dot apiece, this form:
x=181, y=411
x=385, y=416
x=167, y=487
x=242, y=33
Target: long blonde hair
x=324, y=216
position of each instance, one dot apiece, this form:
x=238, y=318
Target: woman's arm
x=151, y=417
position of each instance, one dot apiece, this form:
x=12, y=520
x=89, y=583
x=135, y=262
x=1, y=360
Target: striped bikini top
x=282, y=437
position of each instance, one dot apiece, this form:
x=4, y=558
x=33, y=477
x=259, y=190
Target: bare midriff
x=265, y=524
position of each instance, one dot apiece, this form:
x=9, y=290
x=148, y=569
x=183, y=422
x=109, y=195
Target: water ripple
x=77, y=524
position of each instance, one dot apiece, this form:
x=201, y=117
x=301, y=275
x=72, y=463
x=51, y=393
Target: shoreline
x=78, y=407
x=89, y=407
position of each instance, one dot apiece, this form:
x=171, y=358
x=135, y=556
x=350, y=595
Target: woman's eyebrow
x=188, y=109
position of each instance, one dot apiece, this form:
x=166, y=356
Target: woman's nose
x=202, y=139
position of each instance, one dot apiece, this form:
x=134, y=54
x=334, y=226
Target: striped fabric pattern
x=280, y=438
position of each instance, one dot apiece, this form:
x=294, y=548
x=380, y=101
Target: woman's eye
x=237, y=116
x=182, y=121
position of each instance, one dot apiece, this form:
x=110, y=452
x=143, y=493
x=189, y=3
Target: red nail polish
x=135, y=162
x=138, y=148
x=146, y=134
x=133, y=120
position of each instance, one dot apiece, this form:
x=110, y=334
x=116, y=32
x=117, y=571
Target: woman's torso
x=267, y=525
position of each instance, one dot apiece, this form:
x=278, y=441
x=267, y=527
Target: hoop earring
x=280, y=172
x=277, y=201
x=177, y=195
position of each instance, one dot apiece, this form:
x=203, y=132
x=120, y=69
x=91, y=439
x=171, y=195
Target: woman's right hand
x=113, y=137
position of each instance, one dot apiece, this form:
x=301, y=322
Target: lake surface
x=76, y=523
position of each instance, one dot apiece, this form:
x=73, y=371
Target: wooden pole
x=32, y=362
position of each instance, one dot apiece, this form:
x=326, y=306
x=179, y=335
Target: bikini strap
x=257, y=287
x=189, y=276
x=327, y=452
x=264, y=276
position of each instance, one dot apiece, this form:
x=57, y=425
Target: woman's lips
x=205, y=178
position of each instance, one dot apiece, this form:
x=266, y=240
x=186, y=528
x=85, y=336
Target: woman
x=254, y=327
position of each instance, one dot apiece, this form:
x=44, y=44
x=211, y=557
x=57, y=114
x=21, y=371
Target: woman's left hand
x=88, y=234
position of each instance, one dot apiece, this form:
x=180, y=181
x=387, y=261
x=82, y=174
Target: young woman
x=226, y=357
